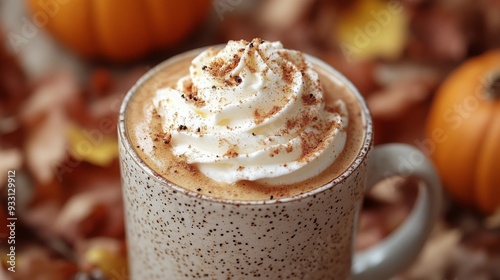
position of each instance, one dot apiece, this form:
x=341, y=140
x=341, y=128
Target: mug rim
x=358, y=160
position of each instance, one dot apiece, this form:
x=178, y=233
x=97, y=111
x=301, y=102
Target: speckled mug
x=173, y=233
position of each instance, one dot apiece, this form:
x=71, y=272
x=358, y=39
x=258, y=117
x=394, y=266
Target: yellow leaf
x=112, y=263
x=372, y=28
x=92, y=145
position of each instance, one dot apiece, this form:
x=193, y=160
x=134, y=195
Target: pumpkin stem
x=494, y=89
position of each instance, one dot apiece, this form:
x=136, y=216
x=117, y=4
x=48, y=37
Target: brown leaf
x=97, y=212
x=370, y=230
x=4, y=231
x=12, y=159
x=282, y=14
x=385, y=208
x=436, y=256
x=101, y=113
x=438, y=35
x=13, y=89
x=56, y=92
x=491, y=17
x=100, y=83
x=77, y=179
x=360, y=73
x=473, y=264
x=493, y=221
x=5, y=275
x=45, y=116
x=37, y=263
x=41, y=216
x=46, y=146
x=386, y=191
x=399, y=97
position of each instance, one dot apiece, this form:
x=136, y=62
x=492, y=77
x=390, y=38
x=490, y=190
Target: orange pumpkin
x=464, y=129
x=119, y=30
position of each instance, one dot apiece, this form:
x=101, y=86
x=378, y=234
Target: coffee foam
x=144, y=130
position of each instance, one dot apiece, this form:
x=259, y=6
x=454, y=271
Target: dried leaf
x=98, y=212
x=40, y=217
x=58, y=91
x=91, y=146
x=399, y=97
x=360, y=73
x=473, y=264
x=100, y=83
x=13, y=89
x=376, y=224
x=406, y=70
x=386, y=191
x=493, y=221
x=107, y=255
x=45, y=116
x=111, y=91
x=12, y=159
x=491, y=18
x=46, y=146
x=438, y=35
x=4, y=231
x=37, y=263
x=371, y=29
x=282, y=14
x=5, y=275
x=436, y=255
x=370, y=230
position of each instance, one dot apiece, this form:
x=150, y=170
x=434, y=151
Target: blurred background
x=429, y=71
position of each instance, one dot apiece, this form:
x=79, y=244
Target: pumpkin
x=463, y=132
x=118, y=30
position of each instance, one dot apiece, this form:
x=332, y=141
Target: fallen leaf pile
x=58, y=132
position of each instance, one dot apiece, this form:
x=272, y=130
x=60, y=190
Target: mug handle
x=401, y=248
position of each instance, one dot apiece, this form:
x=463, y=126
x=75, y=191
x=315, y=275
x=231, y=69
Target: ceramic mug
x=173, y=233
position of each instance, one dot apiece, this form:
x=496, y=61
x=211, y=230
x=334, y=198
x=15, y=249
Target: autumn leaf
x=436, y=255
x=11, y=160
x=98, y=211
x=36, y=262
x=282, y=14
x=5, y=275
x=45, y=146
x=91, y=146
x=372, y=28
x=4, y=231
x=393, y=101
x=45, y=117
x=106, y=254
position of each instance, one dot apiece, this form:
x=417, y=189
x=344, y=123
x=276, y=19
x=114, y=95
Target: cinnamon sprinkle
x=301, y=121
x=219, y=68
x=309, y=99
x=309, y=143
x=274, y=152
x=231, y=153
x=192, y=95
x=288, y=71
x=167, y=138
x=189, y=167
x=259, y=118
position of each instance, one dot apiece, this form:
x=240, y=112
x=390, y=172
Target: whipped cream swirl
x=252, y=111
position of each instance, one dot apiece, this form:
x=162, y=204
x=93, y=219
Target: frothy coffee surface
x=145, y=131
